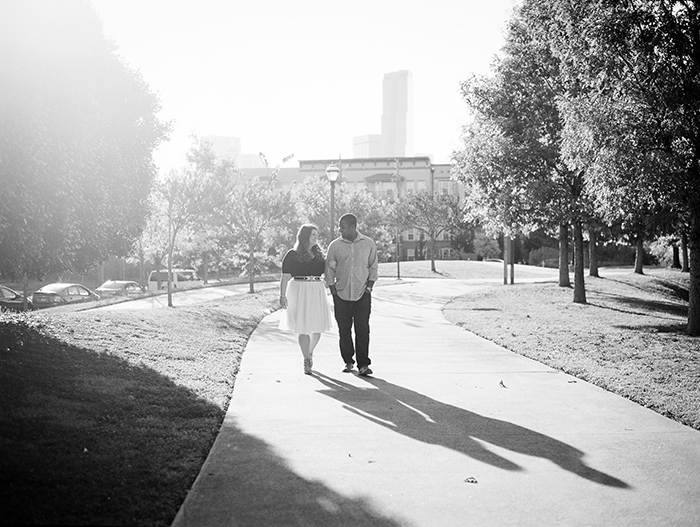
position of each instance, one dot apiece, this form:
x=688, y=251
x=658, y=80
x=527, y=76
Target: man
x=351, y=270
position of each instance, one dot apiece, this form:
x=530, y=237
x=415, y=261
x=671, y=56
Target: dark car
x=61, y=294
x=119, y=288
x=11, y=300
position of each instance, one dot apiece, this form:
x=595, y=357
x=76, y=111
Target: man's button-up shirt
x=350, y=264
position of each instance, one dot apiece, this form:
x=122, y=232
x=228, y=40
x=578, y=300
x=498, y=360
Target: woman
x=303, y=293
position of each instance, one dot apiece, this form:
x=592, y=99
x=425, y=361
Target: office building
x=397, y=114
x=396, y=139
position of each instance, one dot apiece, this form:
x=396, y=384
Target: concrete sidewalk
x=451, y=430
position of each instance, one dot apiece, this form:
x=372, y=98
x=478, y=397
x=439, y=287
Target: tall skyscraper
x=397, y=114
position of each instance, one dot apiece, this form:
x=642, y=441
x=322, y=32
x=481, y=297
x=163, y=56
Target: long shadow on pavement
x=430, y=421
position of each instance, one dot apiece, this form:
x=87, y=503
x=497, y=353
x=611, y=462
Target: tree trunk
x=511, y=259
x=505, y=260
x=564, y=280
x=432, y=254
x=251, y=271
x=593, y=252
x=579, y=284
x=205, y=263
x=170, y=276
x=25, y=287
x=694, y=288
x=142, y=270
x=684, y=251
x=676, y=264
x=639, y=255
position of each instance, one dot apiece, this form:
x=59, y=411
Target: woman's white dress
x=308, y=310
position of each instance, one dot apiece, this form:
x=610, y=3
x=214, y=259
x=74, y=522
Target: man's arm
x=373, y=264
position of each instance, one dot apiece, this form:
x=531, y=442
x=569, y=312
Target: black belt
x=307, y=278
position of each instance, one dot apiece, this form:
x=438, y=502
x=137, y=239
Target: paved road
x=190, y=296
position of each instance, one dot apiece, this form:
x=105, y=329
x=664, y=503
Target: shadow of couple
x=424, y=419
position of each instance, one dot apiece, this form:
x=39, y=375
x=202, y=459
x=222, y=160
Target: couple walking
x=350, y=269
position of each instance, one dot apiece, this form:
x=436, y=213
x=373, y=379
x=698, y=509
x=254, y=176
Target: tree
x=432, y=214
x=152, y=244
x=77, y=132
x=463, y=235
x=203, y=237
x=636, y=117
x=185, y=196
x=515, y=137
x=373, y=215
x=251, y=211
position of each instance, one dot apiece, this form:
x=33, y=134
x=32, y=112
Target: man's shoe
x=348, y=367
x=365, y=371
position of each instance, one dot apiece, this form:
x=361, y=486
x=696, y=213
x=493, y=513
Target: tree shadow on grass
x=88, y=438
x=667, y=286
x=419, y=417
x=643, y=307
x=91, y=439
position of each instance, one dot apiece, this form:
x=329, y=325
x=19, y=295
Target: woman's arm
x=283, y=289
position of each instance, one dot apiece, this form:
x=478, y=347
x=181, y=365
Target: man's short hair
x=349, y=219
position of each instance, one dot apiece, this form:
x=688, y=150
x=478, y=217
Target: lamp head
x=332, y=173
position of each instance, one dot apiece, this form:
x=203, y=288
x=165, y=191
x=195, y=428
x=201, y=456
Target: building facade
x=224, y=147
x=378, y=175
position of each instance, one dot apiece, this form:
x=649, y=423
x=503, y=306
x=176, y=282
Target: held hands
x=283, y=302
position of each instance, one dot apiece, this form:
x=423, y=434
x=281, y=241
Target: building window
x=410, y=254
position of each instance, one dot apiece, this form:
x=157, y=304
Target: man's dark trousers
x=356, y=313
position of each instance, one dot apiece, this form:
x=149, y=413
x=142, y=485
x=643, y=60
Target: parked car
x=11, y=300
x=179, y=276
x=119, y=288
x=60, y=294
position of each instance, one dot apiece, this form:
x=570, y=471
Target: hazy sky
x=304, y=76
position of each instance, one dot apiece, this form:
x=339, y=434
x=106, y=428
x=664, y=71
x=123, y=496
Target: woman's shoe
x=308, y=363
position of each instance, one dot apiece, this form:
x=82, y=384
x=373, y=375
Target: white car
x=119, y=288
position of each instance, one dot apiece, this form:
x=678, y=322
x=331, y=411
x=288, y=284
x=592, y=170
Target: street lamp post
x=332, y=173
x=396, y=177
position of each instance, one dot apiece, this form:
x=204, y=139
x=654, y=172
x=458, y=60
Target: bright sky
x=304, y=76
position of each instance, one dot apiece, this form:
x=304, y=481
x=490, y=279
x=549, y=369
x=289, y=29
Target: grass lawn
x=107, y=417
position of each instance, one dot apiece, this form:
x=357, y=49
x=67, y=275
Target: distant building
x=396, y=139
x=397, y=114
x=250, y=161
x=224, y=147
x=369, y=145
x=378, y=176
